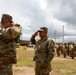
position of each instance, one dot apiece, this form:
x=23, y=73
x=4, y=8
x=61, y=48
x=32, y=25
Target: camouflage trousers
x=6, y=69
x=39, y=70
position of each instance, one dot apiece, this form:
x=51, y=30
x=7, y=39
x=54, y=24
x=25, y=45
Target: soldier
x=44, y=52
x=8, y=33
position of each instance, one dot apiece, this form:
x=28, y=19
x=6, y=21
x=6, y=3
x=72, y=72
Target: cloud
x=66, y=11
x=33, y=14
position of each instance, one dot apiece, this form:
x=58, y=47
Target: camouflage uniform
x=43, y=53
x=7, y=48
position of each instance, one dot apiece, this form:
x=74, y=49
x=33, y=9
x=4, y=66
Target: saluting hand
x=36, y=33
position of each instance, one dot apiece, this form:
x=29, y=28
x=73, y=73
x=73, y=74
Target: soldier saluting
x=8, y=33
x=44, y=52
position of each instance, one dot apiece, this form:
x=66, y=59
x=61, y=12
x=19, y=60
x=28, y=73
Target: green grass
x=60, y=67
x=64, y=67
x=24, y=58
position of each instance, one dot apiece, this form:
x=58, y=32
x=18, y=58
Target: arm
x=50, y=52
x=11, y=32
x=33, y=41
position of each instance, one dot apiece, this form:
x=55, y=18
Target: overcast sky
x=53, y=14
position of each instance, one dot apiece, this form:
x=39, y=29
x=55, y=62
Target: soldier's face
x=42, y=34
x=8, y=23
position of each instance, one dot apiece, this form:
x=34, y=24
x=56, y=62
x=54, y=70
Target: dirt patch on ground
x=23, y=70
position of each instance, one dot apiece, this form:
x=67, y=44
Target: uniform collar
x=44, y=38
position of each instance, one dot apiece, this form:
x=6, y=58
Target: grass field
x=60, y=67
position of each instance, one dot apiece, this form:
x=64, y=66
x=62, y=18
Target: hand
x=46, y=65
x=36, y=33
x=18, y=25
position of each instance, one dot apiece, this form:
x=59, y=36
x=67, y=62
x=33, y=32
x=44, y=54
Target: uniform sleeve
x=11, y=32
x=50, y=50
x=33, y=41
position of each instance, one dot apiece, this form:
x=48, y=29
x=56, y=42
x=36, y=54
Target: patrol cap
x=6, y=17
x=43, y=29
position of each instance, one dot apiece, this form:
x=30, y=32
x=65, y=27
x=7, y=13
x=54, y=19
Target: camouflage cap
x=6, y=17
x=43, y=29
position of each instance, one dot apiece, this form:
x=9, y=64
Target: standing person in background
x=44, y=52
x=8, y=33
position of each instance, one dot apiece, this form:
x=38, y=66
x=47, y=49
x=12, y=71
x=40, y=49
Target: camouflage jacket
x=7, y=44
x=44, y=49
